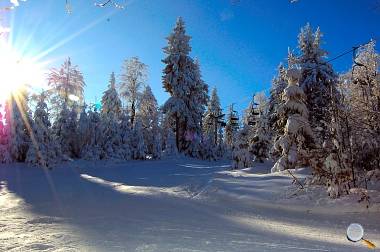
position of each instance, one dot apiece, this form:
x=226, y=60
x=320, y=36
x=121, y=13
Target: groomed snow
x=172, y=205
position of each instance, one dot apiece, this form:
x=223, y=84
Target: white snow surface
x=175, y=204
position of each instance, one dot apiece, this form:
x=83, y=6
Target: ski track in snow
x=175, y=204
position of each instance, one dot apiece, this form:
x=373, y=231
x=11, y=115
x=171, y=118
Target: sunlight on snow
x=293, y=230
x=138, y=190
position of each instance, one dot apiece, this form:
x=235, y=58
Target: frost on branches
x=297, y=133
x=66, y=87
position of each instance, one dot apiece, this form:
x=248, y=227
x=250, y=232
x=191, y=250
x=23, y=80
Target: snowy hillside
x=171, y=205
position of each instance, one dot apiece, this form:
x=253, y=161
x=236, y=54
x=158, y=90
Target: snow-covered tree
x=260, y=136
x=125, y=130
x=318, y=81
x=241, y=157
x=231, y=127
x=66, y=87
x=211, y=125
x=197, y=102
x=61, y=133
x=111, y=103
x=188, y=92
x=92, y=150
x=111, y=137
x=171, y=147
x=157, y=146
x=148, y=114
x=43, y=150
x=5, y=156
x=133, y=78
x=297, y=133
x=208, y=149
x=279, y=83
x=18, y=117
x=137, y=142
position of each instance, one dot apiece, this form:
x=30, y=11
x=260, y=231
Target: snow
x=173, y=204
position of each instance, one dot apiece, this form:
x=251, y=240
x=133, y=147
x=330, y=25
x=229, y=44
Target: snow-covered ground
x=171, y=205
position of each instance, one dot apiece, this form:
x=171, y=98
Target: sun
x=17, y=70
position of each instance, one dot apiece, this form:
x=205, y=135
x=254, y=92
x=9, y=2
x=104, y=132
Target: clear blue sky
x=238, y=44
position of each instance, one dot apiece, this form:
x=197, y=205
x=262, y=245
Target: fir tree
x=297, y=133
x=171, y=147
x=279, y=83
x=18, y=116
x=231, y=127
x=5, y=156
x=188, y=93
x=318, y=81
x=43, y=151
x=148, y=114
x=111, y=103
x=137, y=142
x=241, y=157
x=211, y=125
x=125, y=136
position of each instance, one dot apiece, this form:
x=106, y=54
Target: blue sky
x=239, y=43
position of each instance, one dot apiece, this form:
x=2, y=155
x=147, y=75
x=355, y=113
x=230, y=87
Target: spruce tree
x=188, y=93
x=18, y=116
x=293, y=145
x=148, y=114
x=318, y=81
x=137, y=142
x=111, y=103
x=43, y=151
x=5, y=156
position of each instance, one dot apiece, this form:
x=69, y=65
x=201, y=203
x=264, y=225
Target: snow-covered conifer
x=231, y=128
x=318, y=81
x=5, y=156
x=43, y=151
x=279, y=83
x=171, y=147
x=260, y=135
x=19, y=121
x=241, y=157
x=125, y=149
x=188, y=92
x=211, y=118
x=148, y=114
x=157, y=146
x=297, y=133
x=137, y=142
x=61, y=132
x=111, y=103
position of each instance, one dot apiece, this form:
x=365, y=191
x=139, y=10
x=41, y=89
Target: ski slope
x=175, y=204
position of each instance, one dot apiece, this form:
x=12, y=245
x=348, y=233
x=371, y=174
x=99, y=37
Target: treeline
x=314, y=117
